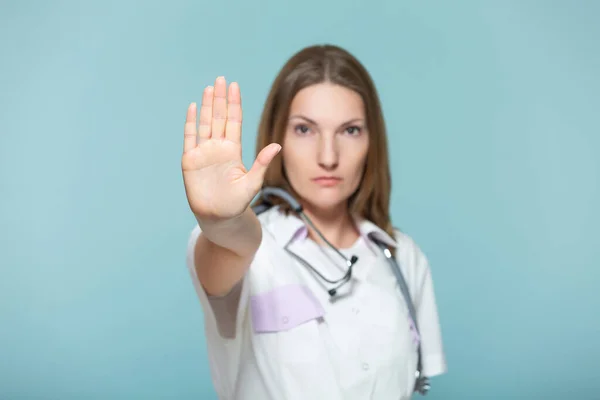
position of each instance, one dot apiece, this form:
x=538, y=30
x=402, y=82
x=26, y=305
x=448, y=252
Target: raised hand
x=217, y=185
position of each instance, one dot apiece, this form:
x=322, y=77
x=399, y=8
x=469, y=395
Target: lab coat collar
x=287, y=228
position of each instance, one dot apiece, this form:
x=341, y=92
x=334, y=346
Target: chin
x=323, y=201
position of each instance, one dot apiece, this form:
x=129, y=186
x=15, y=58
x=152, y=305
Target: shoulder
x=411, y=257
x=407, y=246
x=271, y=216
x=278, y=227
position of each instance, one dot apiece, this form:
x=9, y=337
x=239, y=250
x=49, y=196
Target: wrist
x=241, y=234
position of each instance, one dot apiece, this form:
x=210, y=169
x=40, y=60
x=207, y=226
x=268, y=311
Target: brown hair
x=319, y=64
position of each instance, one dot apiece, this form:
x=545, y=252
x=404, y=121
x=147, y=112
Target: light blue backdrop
x=492, y=108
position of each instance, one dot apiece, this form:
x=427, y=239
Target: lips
x=327, y=181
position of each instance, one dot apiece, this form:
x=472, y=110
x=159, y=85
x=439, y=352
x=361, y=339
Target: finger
x=189, y=131
x=206, y=114
x=219, y=110
x=256, y=175
x=233, y=129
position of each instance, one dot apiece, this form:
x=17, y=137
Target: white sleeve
x=223, y=319
x=434, y=359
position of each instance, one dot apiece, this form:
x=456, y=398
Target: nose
x=328, y=152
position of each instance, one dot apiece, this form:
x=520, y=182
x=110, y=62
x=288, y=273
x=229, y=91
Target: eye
x=353, y=130
x=301, y=129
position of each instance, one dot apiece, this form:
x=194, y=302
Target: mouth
x=327, y=181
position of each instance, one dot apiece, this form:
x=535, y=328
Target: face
x=325, y=145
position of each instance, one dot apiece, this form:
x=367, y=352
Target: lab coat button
x=285, y=320
x=365, y=366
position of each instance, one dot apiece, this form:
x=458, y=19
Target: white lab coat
x=279, y=335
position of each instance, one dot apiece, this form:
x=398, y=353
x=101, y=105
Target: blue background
x=492, y=109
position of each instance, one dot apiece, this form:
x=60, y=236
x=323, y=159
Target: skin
x=219, y=189
x=325, y=136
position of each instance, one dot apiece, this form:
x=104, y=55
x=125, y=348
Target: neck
x=335, y=224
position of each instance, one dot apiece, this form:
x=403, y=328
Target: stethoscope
x=422, y=384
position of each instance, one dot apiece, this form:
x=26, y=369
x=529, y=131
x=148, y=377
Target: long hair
x=319, y=64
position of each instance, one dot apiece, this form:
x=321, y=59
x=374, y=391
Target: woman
x=276, y=326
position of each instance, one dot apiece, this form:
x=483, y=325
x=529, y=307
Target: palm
x=213, y=173
x=217, y=184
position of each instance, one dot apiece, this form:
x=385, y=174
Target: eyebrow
x=310, y=121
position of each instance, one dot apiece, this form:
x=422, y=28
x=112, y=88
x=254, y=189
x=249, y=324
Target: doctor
x=274, y=329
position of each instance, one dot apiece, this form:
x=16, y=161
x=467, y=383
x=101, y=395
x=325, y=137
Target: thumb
x=256, y=175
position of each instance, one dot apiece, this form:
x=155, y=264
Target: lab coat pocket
x=287, y=318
